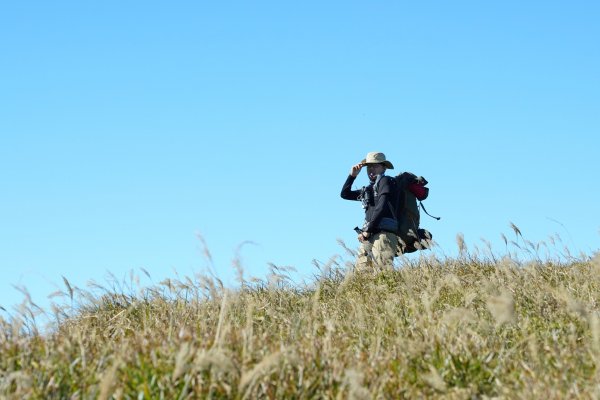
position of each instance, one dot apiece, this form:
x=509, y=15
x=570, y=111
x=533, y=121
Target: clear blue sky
x=127, y=128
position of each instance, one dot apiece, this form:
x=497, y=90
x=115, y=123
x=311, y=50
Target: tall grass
x=472, y=326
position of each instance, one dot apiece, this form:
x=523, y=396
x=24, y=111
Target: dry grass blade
x=434, y=379
x=502, y=307
x=109, y=381
x=263, y=368
x=515, y=229
x=504, y=239
x=145, y=272
x=182, y=360
x=205, y=250
x=69, y=288
x=460, y=241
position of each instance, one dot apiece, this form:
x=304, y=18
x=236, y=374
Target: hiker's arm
x=347, y=192
x=355, y=170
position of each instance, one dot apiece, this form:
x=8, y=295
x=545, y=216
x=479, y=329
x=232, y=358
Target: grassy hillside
x=466, y=327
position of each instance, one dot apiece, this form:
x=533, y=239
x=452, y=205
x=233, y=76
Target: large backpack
x=411, y=189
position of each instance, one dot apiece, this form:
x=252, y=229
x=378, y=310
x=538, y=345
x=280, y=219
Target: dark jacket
x=379, y=206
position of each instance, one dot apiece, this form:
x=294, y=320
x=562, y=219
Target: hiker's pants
x=377, y=253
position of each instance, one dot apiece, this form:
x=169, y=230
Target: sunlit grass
x=521, y=325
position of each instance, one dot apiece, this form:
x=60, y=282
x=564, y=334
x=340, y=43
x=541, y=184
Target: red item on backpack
x=419, y=190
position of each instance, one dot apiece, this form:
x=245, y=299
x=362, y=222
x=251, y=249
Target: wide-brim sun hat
x=377, y=158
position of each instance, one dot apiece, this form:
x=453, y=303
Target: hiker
x=379, y=242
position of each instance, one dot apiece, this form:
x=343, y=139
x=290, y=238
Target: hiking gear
x=411, y=188
x=388, y=225
x=377, y=158
x=367, y=196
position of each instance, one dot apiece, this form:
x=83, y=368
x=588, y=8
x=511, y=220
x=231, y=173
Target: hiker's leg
x=385, y=245
x=364, y=257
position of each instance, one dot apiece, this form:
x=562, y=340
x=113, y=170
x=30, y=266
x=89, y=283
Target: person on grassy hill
x=379, y=242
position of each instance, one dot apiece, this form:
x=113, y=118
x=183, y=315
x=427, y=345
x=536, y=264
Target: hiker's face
x=373, y=170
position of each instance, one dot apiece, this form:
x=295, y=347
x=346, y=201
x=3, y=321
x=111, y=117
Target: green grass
x=458, y=328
